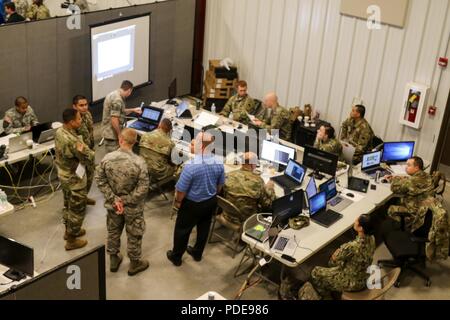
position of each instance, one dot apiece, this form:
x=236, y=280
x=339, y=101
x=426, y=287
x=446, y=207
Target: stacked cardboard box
x=220, y=83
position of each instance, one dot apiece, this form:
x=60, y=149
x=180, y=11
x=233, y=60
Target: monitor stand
x=316, y=174
x=14, y=275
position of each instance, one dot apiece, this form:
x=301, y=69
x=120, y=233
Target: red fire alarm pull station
x=432, y=110
x=443, y=62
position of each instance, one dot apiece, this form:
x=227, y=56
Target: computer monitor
x=370, y=160
x=172, y=90
x=152, y=114
x=277, y=153
x=287, y=207
x=18, y=257
x=311, y=188
x=317, y=203
x=320, y=161
x=296, y=171
x=329, y=188
x=398, y=151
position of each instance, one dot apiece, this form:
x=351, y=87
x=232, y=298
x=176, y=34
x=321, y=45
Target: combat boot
x=137, y=266
x=73, y=243
x=80, y=234
x=90, y=202
x=115, y=260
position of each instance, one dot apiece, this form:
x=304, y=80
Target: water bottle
x=213, y=108
x=211, y=296
x=231, y=117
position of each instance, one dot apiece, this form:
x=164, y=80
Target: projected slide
x=115, y=52
x=120, y=51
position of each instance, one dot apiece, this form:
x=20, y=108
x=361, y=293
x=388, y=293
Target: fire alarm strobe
x=443, y=62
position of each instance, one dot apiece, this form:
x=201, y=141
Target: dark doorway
x=442, y=158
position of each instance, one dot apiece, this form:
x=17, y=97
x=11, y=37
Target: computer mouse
x=351, y=195
x=384, y=181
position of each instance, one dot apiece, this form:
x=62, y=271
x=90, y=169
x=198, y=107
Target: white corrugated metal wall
x=308, y=52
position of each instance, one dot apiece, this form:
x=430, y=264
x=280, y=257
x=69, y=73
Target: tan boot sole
x=81, y=245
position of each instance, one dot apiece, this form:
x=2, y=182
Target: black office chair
x=259, y=109
x=377, y=143
x=408, y=249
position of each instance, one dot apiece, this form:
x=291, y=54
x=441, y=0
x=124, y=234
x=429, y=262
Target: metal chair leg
x=248, y=254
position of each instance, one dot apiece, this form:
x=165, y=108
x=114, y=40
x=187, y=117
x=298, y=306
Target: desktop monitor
x=18, y=257
x=398, y=151
x=329, y=188
x=287, y=207
x=277, y=153
x=173, y=89
x=320, y=161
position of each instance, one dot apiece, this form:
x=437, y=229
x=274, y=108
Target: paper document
x=206, y=119
x=81, y=170
x=251, y=117
x=398, y=170
x=226, y=129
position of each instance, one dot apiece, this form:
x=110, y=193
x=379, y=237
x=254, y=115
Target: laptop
x=311, y=190
x=19, y=143
x=183, y=111
x=149, y=120
x=39, y=128
x=318, y=211
x=371, y=163
x=293, y=176
x=47, y=136
x=334, y=200
x=287, y=207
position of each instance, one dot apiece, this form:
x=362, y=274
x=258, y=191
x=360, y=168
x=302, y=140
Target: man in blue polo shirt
x=201, y=180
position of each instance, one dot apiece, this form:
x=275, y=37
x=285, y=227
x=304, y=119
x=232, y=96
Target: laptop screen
x=329, y=188
x=317, y=203
x=277, y=153
x=371, y=160
x=398, y=151
x=182, y=108
x=311, y=189
x=295, y=171
x=287, y=207
x=151, y=114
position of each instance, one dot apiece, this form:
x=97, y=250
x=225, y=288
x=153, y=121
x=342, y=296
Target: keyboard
x=326, y=218
x=281, y=243
x=335, y=201
x=373, y=172
x=142, y=126
x=284, y=182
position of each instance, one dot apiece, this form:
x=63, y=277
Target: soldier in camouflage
x=357, y=131
x=246, y=190
x=326, y=141
x=37, y=11
x=156, y=149
x=275, y=117
x=239, y=104
x=21, y=7
x=114, y=115
x=71, y=155
x=86, y=131
x=20, y=118
x=413, y=190
x=347, y=270
x=123, y=179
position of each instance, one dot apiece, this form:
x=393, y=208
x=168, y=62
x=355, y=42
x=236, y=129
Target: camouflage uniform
x=414, y=190
x=331, y=146
x=247, y=191
x=19, y=121
x=359, y=134
x=438, y=246
x=347, y=270
x=156, y=148
x=123, y=175
x=280, y=120
x=67, y=160
x=36, y=12
x=240, y=107
x=21, y=7
x=114, y=106
x=86, y=130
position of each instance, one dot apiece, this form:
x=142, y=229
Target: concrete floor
x=41, y=228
